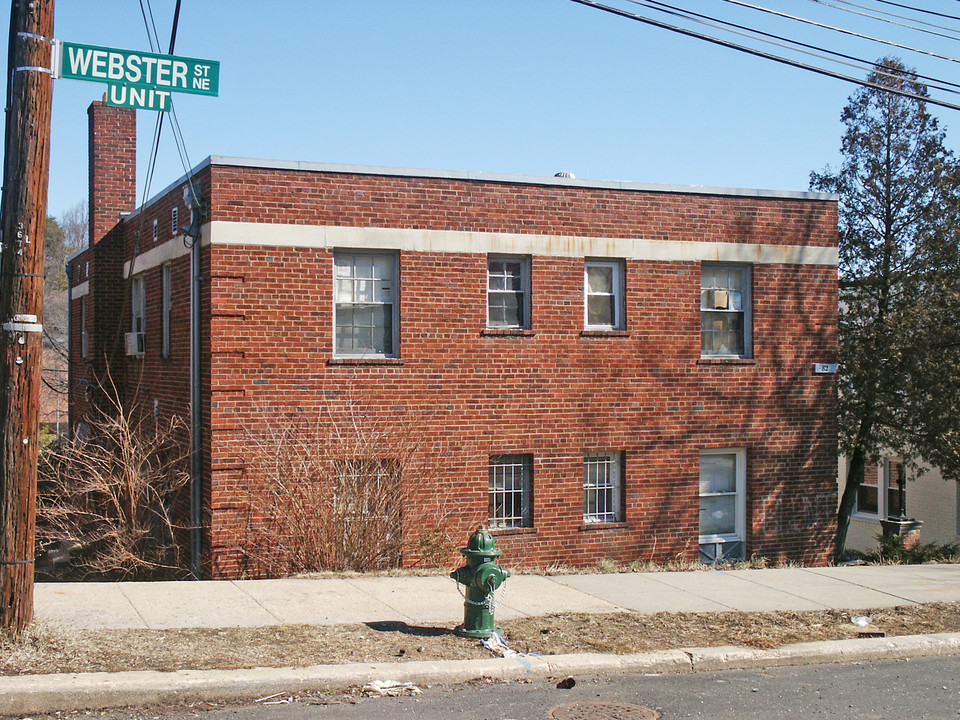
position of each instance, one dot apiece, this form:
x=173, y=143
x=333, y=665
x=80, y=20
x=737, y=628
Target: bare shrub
x=109, y=497
x=332, y=492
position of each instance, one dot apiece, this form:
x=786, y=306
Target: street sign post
x=132, y=69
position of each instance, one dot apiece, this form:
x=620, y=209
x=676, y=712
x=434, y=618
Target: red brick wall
x=555, y=394
x=306, y=198
x=107, y=318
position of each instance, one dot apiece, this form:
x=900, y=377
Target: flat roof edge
x=515, y=179
x=471, y=175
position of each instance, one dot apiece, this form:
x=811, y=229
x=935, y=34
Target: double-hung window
x=365, y=313
x=725, y=313
x=602, y=488
x=510, y=493
x=878, y=496
x=603, y=295
x=138, y=316
x=722, y=504
x=508, y=292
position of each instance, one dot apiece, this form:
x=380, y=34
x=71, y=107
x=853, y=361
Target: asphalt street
x=914, y=689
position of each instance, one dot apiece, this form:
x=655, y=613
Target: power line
x=146, y=23
x=919, y=10
x=761, y=54
x=877, y=16
x=786, y=43
x=844, y=30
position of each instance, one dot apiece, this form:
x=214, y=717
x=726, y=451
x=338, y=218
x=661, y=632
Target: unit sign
x=139, y=98
x=133, y=69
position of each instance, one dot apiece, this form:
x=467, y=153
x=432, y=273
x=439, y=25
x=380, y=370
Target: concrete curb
x=93, y=691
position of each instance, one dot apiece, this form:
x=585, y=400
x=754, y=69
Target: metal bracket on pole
x=48, y=71
x=23, y=323
x=35, y=37
x=55, y=50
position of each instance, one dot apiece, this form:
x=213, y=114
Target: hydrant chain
x=481, y=577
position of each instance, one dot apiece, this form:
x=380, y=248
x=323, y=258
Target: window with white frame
x=725, y=314
x=603, y=295
x=156, y=229
x=602, y=488
x=138, y=303
x=510, y=494
x=508, y=292
x=174, y=221
x=138, y=315
x=722, y=501
x=879, y=493
x=366, y=311
x=165, y=271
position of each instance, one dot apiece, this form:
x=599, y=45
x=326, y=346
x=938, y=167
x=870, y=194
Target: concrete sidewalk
x=436, y=601
x=433, y=601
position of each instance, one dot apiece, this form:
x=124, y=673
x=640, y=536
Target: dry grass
x=47, y=649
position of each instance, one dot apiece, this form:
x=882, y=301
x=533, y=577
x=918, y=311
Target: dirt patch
x=49, y=649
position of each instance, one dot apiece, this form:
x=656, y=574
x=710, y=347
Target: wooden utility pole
x=24, y=213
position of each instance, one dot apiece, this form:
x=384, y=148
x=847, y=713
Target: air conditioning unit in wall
x=134, y=343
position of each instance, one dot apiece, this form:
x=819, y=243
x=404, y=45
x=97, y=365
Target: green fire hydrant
x=481, y=576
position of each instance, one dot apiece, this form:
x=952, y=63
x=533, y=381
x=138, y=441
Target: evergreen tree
x=55, y=253
x=899, y=377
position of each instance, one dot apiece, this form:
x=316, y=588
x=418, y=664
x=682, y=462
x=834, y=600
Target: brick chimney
x=112, y=166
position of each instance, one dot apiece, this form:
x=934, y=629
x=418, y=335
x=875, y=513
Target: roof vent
x=565, y=174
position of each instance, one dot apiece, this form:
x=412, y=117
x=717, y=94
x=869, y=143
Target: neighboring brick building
x=600, y=369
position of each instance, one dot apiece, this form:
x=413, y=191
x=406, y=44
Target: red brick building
x=597, y=369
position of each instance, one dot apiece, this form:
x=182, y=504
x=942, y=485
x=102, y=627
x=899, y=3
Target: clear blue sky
x=510, y=86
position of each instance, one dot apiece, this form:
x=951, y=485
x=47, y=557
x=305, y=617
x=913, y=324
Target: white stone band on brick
x=453, y=241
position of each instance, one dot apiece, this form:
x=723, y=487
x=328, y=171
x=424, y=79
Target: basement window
x=602, y=488
x=510, y=494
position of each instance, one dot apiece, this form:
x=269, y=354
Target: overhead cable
x=882, y=19
x=919, y=10
x=785, y=43
x=764, y=55
x=844, y=30
x=146, y=24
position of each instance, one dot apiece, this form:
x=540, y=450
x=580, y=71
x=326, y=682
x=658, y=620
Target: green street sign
x=134, y=69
